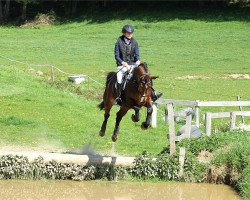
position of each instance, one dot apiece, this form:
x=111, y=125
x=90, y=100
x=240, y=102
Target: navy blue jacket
x=126, y=52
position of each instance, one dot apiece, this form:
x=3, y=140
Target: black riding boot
x=155, y=96
x=119, y=92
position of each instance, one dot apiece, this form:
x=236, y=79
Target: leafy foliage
x=214, y=142
x=244, y=183
x=167, y=167
x=144, y=166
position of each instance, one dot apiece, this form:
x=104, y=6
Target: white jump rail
x=74, y=158
x=86, y=160
x=197, y=104
x=209, y=116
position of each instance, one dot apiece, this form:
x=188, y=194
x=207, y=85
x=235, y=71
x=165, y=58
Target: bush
x=244, y=184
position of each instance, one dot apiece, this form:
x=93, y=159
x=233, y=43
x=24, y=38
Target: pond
x=102, y=190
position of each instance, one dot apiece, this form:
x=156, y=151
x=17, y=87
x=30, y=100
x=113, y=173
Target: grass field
x=192, y=55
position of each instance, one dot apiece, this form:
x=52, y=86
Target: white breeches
x=121, y=70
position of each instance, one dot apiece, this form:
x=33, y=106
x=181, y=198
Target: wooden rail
x=86, y=160
x=203, y=103
x=74, y=158
x=198, y=104
x=209, y=116
x=176, y=102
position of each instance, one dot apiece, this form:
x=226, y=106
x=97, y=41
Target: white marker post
x=154, y=116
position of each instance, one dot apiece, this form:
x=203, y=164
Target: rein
x=143, y=95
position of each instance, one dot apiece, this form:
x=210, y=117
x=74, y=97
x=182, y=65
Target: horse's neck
x=135, y=78
x=137, y=73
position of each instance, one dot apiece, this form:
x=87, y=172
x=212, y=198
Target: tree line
x=21, y=10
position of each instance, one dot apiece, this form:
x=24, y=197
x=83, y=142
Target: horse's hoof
x=101, y=133
x=114, y=138
x=144, y=126
x=134, y=118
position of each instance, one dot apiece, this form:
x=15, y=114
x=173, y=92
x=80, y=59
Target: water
x=102, y=190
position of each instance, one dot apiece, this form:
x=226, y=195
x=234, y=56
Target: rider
x=127, y=57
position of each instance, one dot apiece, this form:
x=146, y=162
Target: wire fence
x=47, y=65
x=171, y=85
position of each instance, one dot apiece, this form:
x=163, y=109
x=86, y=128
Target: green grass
x=33, y=111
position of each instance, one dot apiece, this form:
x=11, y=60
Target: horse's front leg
x=146, y=124
x=123, y=110
x=106, y=117
x=136, y=117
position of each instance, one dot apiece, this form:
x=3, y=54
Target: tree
x=1, y=12
x=4, y=10
x=7, y=9
x=24, y=7
x=24, y=11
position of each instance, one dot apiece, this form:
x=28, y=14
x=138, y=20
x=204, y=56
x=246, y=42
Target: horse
x=137, y=93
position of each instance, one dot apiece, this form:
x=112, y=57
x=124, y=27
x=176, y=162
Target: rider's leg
x=120, y=72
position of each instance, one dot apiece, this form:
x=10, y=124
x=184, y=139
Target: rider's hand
x=124, y=64
x=138, y=62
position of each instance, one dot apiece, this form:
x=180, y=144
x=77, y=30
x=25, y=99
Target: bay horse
x=137, y=93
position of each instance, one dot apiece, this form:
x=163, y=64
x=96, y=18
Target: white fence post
x=197, y=116
x=171, y=124
x=208, y=117
x=154, y=116
x=232, y=120
x=188, y=126
x=241, y=109
x=52, y=73
x=181, y=161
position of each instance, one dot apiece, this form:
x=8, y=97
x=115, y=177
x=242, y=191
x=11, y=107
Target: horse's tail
x=101, y=105
x=110, y=76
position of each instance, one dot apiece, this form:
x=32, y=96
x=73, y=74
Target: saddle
x=125, y=79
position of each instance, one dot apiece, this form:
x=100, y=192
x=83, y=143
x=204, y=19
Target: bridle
x=145, y=82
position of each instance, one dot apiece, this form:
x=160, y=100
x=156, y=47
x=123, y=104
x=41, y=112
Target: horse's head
x=143, y=79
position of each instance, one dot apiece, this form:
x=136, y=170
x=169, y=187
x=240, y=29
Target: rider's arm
x=137, y=53
x=117, y=54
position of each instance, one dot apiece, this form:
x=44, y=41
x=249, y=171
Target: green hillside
x=193, y=55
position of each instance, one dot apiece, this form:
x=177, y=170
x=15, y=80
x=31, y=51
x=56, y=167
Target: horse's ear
x=154, y=77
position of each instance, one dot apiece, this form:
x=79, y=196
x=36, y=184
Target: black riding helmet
x=127, y=28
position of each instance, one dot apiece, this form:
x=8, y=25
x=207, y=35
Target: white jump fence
x=232, y=115
x=197, y=105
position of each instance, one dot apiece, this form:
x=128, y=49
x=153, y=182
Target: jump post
x=196, y=104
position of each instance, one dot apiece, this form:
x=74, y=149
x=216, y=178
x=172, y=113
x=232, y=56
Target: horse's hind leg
x=107, y=108
x=123, y=110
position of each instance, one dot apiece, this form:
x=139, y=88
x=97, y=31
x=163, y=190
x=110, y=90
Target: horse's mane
x=145, y=66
